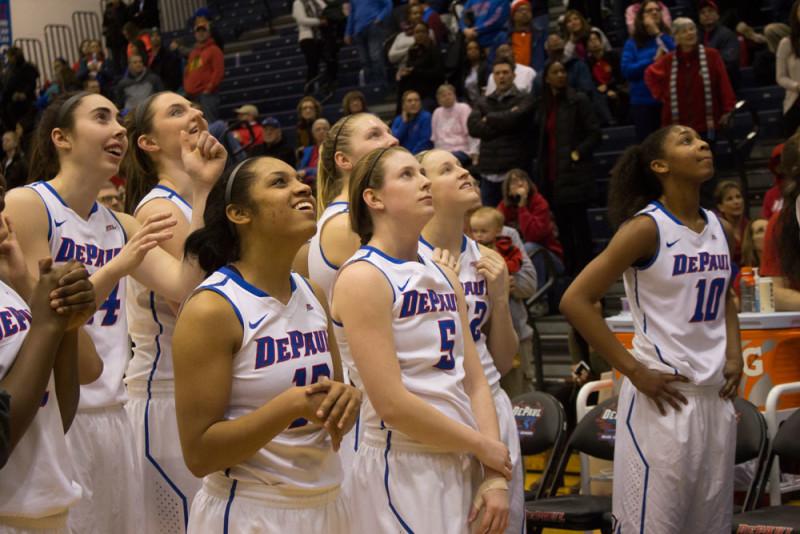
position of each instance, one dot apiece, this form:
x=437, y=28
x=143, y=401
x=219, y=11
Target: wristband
x=489, y=485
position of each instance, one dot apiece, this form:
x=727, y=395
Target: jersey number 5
x=299, y=379
x=707, y=306
x=447, y=330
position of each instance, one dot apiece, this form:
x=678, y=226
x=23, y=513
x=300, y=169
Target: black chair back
x=751, y=443
x=787, y=443
x=541, y=422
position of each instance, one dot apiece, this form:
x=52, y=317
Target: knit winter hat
x=516, y=3
x=708, y=3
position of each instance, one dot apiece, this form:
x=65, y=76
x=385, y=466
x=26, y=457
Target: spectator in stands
x=781, y=257
x=526, y=210
x=476, y=73
x=93, y=65
x=308, y=16
x=412, y=127
x=578, y=75
x=275, y=146
x=204, y=71
x=307, y=170
x=714, y=35
x=308, y=110
x=697, y=76
x=568, y=131
x=648, y=43
x=633, y=10
x=576, y=33
x=529, y=32
x=501, y=120
x=753, y=243
x=405, y=37
x=773, y=198
x=115, y=16
x=433, y=20
x=18, y=90
x=145, y=13
x=762, y=48
x=64, y=81
x=354, y=102
x=15, y=168
x=422, y=70
x=92, y=86
x=485, y=21
x=449, y=129
x=247, y=116
x=787, y=72
x=112, y=196
x=366, y=27
x=138, y=42
x=523, y=75
x=137, y=84
x=165, y=63
x=730, y=206
x=607, y=76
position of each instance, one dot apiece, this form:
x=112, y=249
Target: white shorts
x=510, y=436
x=54, y=524
x=167, y=483
x=101, y=444
x=348, y=448
x=674, y=472
x=400, y=487
x=228, y=505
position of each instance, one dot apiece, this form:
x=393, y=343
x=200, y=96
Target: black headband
x=231, y=178
x=141, y=109
x=336, y=137
x=368, y=176
x=68, y=105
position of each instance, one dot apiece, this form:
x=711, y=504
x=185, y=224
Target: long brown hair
x=329, y=178
x=43, y=163
x=138, y=167
x=368, y=173
x=640, y=34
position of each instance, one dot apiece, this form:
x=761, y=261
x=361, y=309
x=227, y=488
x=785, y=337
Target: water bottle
x=748, y=290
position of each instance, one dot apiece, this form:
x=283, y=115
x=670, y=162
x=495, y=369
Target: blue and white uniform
x=479, y=311
x=100, y=439
x=674, y=473
x=168, y=485
x=37, y=485
x=400, y=484
x=292, y=483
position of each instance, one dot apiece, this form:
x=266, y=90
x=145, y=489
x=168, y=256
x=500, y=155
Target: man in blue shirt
x=367, y=28
x=412, y=127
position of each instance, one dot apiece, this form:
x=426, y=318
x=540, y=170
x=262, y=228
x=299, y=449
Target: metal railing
x=59, y=42
x=86, y=25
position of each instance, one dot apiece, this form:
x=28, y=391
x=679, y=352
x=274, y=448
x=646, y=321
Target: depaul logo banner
x=5, y=23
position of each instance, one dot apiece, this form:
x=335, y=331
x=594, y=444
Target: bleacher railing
x=175, y=13
x=87, y=25
x=59, y=41
x=33, y=51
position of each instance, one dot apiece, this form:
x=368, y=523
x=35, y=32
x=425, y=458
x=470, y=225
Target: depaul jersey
x=37, y=480
x=678, y=299
x=93, y=242
x=151, y=320
x=282, y=346
x=427, y=336
x=477, y=297
x=320, y=269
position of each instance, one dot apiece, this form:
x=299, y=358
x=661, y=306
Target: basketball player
x=429, y=406
x=334, y=242
x=674, y=454
x=158, y=182
x=485, y=280
x=78, y=145
x=253, y=355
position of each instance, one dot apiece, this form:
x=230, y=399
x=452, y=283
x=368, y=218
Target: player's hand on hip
x=733, y=375
x=494, y=455
x=657, y=386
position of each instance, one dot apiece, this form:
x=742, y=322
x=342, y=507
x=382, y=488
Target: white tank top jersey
x=282, y=347
x=151, y=320
x=93, y=242
x=477, y=297
x=320, y=269
x=678, y=299
x=427, y=337
x=37, y=480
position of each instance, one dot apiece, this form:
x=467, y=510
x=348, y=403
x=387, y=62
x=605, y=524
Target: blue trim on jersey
x=228, y=506
x=234, y=274
x=364, y=259
x=386, y=484
x=463, y=243
x=55, y=193
x=358, y=424
x=304, y=279
x=651, y=261
x=214, y=288
x=382, y=254
x=122, y=228
x=644, y=461
x=338, y=203
x=660, y=357
x=424, y=242
x=94, y=209
x=147, y=454
x=46, y=209
x=173, y=194
x=669, y=214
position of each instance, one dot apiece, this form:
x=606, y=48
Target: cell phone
x=581, y=368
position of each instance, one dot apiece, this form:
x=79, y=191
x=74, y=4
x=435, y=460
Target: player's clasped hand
x=443, y=258
x=657, y=386
x=494, y=455
x=336, y=407
x=76, y=293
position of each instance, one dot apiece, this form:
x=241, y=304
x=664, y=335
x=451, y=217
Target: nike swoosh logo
x=669, y=245
x=254, y=325
x=403, y=287
x=59, y=223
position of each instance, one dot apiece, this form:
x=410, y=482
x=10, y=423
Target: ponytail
x=138, y=168
x=329, y=179
x=633, y=183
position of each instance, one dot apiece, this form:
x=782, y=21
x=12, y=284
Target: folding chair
x=751, y=444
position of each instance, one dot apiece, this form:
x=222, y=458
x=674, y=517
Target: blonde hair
x=491, y=214
x=329, y=178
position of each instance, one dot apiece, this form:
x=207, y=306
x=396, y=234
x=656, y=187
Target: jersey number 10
x=707, y=306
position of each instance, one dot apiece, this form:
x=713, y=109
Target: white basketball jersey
x=151, y=320
x=427, y=337
x=477, y=297
x=37, y=480
x=93, y=242
x=282, y=347
x=678, y=299
x=320, y=270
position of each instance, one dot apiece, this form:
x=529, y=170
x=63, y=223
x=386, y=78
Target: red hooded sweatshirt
x=534, y=222
x=205, y=69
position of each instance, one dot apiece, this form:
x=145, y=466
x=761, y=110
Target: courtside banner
x=5, y=23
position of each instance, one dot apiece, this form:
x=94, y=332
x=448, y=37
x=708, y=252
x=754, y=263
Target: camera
x=515, y=199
